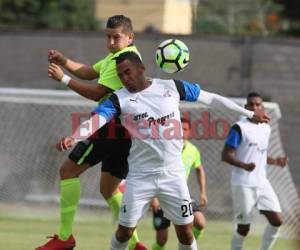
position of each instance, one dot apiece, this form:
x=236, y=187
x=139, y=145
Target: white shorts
x=246, y=198
x=169, y=186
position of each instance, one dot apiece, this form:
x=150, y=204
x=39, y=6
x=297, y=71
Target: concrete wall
x=166, y=16
x=229, y=66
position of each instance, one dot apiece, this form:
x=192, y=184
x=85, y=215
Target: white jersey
x=152, y=118
x=148, y=116
x=252, y=147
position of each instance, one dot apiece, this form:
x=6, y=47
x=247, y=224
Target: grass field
x=21, y=230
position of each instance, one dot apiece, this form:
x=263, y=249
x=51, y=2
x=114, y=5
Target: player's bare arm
x=228, y=155
x=280, y=161
x=80, y=70
x=91, y=91
x=201, y=178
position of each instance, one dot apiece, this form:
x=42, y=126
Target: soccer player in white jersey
x=149, y=109
x=191, y=159
x=246, y=150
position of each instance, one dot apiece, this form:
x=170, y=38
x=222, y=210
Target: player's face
x=117, y=39
x=131, y=75
x=186, y=130
x=254, y=103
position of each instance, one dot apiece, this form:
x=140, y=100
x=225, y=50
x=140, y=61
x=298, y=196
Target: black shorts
x=109, y=145
x=160, y=222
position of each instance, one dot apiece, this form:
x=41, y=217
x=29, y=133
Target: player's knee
x=185, y=234
x=199, y=221
x=276, y=222
x=243, y=230
x=69, y=170
x=124, y=233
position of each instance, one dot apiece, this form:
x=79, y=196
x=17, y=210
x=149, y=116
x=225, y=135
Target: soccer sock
x=114, y=202
x=269, y=237
x=133, y=240
x=69, y=198
x=117, y=245
x=197, y=233
x=155, y=246
x=237, y=241
x=193, y=246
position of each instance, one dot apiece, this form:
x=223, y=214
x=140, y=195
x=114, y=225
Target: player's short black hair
x=253, y=94
x=129, y=55
x=120, y=20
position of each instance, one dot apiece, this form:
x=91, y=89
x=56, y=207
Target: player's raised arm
x=192, y=92
x=80, y=70
x=91, y=91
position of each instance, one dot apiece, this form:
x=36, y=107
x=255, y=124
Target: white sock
x=117, y=245
x=193, y=246
x=269, y=237
x=237, y=241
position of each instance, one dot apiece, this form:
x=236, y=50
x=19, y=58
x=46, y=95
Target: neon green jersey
x=106, y=68
x=191, y=158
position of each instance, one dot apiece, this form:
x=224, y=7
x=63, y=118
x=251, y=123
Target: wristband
x=66, y=80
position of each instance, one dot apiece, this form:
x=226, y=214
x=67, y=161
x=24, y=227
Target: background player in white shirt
x=149, y=109
x=246, y=149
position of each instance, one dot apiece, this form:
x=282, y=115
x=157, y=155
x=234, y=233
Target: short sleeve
x=187, y=91
x=234, y=137
x=109, y=108
x=197, y=161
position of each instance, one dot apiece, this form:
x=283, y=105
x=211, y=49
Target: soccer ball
x=172, y=56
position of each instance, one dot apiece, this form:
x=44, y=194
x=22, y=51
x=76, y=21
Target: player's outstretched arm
x=91, y=91
x=220, y=102
x=191, y=92
x=82, y=71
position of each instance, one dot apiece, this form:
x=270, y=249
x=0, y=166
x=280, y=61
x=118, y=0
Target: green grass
x=93, y=231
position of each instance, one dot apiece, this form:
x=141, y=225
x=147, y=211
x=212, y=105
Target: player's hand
x=155, y=205
x=281, y=161
x=249, y=166
x=260, y=116
x=56, y=57
x=55, y=72
x=65, y=143
x=203, y=200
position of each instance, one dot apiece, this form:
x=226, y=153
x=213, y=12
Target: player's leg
x=269, y=206
x=244, y=200
x=121, y=237
x=198, y=225
x=199, y=220
x=139, y=191
x=85, y=154
x=185, y=237
x=175, y=200
x=161, y=225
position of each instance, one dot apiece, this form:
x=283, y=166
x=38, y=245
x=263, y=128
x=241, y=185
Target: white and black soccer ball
x=172, y=56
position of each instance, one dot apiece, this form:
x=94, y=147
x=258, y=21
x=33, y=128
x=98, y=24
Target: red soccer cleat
x=56, y=244
x=140, y=246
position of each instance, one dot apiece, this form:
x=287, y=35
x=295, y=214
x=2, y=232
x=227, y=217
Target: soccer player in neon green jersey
x=191, y=160
x=112, y=153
